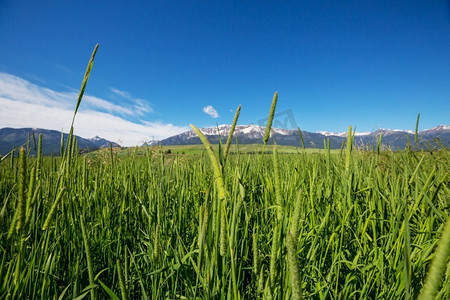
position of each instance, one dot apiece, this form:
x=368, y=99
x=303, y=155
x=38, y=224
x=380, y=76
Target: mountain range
x=245, y=134
x=253, y=134
x=51, y=140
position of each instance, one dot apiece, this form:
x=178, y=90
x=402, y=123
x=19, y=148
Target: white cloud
x=12, y=87
x=105, y=105
x=120, y=93
x=210, y=111
x=140, y=106
x=24, y=104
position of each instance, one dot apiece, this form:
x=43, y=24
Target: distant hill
x=253, y=134
x=51, y=140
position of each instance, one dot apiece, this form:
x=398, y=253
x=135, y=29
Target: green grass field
x=157, y=222
x=199, y=149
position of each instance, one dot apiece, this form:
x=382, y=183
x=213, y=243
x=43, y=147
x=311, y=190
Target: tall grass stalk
x=53, y=208
x=2, y=158
x=12, y=159
x=230, y=134
x=294, y=269
x=301, y=137
x=417, y=130
x=88, y=257
x=39, y=158
x=274, y=260
x=30, y=193
x=380, y=139
x=296, y=215
x=436, y=270
x=69, y=149
x=214, y=162
x=223, y=233
x=84, y=83
x=156, y=246
x=348, y=152
x=255, y=248
x=123, y=290
x=278, y=192
x=270, y=118
x=21, y=204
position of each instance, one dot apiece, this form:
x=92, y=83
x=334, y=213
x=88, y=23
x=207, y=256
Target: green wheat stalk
x=214, y=161
x=123, y=291
x=230, y=134
x=256, y=261
x=437, y=267
x=294, y=269
x=88, y=256
x=296, y=215
x=21, y=206
x=261, y=281
x=270, y=119
x=278, y=195
x=223, y=232
x=156, y=249
x=348, y=151
x=417, y=129
x=53, y=208
x=273, y=266
x=69, y=149
x=301, y=137
x=84, y=82
x=39, y=158
x=31, y=187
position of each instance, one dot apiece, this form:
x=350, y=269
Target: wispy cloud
x=24, y=104
x=120, y=93
x=210, y=111
x=140, y=106
x=105, y=105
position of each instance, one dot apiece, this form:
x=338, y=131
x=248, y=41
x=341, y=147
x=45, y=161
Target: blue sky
x=370, y=64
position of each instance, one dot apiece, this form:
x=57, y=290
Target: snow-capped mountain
x=382, y=130
x=249, y=130
x=253, y=134
x=51, y=140
x=436, y=130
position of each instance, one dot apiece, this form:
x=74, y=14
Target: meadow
x=199, y=149
x=350, y=224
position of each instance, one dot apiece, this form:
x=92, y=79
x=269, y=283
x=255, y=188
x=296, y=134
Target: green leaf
x=89, y=287
x=64, y=292
x=108, y=291
x=98, y=274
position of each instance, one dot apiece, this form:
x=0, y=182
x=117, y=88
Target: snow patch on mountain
x=328, y=133
x=436, y=129
x=342, y=134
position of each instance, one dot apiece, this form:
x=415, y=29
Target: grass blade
x=230, y=134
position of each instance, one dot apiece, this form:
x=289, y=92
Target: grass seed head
x=270, y=118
